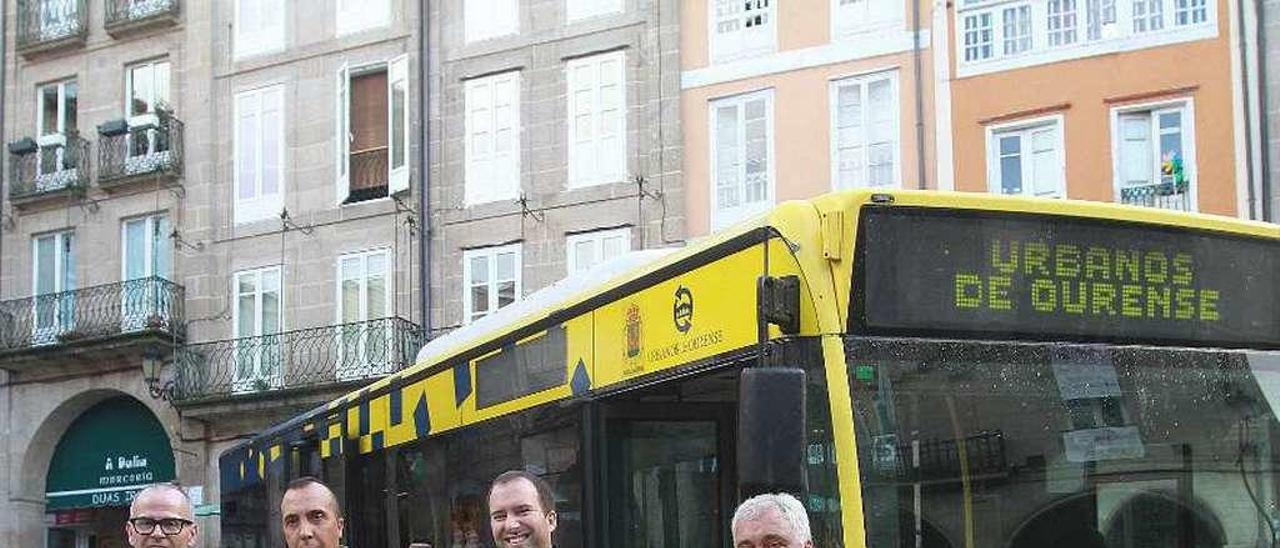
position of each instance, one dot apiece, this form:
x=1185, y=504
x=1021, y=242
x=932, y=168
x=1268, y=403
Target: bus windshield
x=1001, y=444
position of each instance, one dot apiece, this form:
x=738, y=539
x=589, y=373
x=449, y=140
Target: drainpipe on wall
x=1264, y=100
x=919, y=85
x=1246, y=68
x=424, y=199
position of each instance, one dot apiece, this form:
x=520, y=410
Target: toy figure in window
x=1172, y=177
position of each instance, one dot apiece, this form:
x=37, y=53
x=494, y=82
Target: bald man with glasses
x=161, y=516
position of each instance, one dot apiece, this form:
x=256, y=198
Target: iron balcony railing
x=50, y=168
x=154, y=148
x=368, y=174
x=304, y=358
x=1164, y=195
x=44, y=24
x=123, y=13
x=940, y=459
x=143, y=305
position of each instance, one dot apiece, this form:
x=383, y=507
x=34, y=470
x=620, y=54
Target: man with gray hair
x=774, y=520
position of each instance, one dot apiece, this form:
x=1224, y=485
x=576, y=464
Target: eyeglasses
x=168, y=526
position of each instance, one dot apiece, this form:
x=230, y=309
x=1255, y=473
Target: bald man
x=161, y=516
x=310, y=515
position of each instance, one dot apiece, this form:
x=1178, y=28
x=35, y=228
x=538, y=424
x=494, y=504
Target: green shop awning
x=107, y=455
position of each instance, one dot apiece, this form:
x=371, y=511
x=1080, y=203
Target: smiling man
x=522, y=510
x=771, y=521
x=161, y=517
x=310, y=515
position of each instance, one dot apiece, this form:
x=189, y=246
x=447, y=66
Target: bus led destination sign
x=1054, y=278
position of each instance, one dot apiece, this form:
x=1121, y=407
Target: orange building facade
x=790, y=99
x=1127, y=101
x=1132, y=101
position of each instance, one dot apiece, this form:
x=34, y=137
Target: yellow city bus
x=922, y=369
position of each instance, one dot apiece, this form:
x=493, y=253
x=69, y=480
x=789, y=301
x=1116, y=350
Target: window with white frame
x=597, y=119
x=977, y=36
x=53, y=284
x=257, y=316
x=864, y=129
x=588, y=249
x=147, y=254
x=1026, y=158
x=1154, y=157
x=742, y=28
x=1062, y=22
x=259, y=151
x=490, y=280
x=1100, y=16
x=742, y=157
x=147, y=93
x=56, y=106
x=485, y=19
x=372, y=137
x=363, y=298
x=577, y=10
x=1050, y=30
x=493, y=138
x=1017, y=29
x=850, y=17
x=259, y=27
x=357, y=15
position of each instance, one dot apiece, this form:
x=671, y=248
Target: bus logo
x=682, y=311
x=633, y=331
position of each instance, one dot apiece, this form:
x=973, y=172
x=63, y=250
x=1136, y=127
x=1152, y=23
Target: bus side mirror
x=771, y=431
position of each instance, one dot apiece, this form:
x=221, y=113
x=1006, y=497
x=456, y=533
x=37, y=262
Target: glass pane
x=398, y=130
x=479, y=270
x=70, y=102
x=45, y=274
x=140, y=101
x=506, y=293
x=351, y=268
x=49, y=110
x=270, y=280
x=613, y=247
x=247, y=148
x=583, y=255
x=270, y=313
x=377, y=305
x=1064, y=445
x=506, y=266
x=247, y=283
x=350, y=300
x=272, y=132
x=161, y=87
x=135, y=249
x=162, y=250
x=663, y=475
x=479, y=299
x=247, y=315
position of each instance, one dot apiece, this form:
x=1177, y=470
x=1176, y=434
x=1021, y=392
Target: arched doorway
x=102, y=460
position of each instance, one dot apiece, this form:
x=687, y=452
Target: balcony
x=151, y=151
x=91, y=324
x=1164, y=195
x=128, y=16
x=368, y=175
x=48, y=25
x=318, y=361
x=58, y=168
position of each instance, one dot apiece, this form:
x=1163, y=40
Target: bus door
x=666, y=474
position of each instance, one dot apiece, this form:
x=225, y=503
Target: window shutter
x=398, y=124
x=342, y=133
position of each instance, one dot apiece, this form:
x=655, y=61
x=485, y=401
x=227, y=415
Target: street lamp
x=152, y=364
